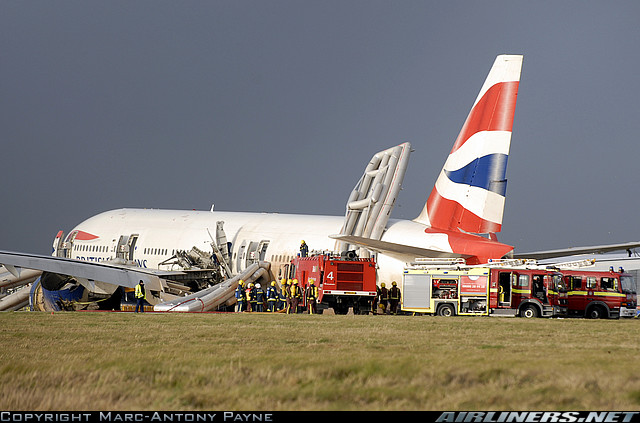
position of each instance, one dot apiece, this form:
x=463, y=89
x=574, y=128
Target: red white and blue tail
x=469, y=194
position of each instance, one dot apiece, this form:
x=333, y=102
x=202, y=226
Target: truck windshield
x=628, y=284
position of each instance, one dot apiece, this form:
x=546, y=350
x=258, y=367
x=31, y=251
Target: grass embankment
x=123, y=361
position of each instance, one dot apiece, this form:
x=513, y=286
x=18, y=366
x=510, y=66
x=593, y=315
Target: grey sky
x=278, y=106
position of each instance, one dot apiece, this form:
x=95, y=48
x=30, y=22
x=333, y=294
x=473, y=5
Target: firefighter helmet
x=295, y=281
x=241, y=282
x=258, y=285
x=394, y=283
x=273, y=283
x=382, y=284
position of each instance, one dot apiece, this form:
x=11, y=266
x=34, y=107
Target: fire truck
x=520, y=289
x=343, y=282
x=600, y=294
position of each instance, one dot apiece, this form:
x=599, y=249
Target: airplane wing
x=115, y=274
x=397, y=251
x=572, y=251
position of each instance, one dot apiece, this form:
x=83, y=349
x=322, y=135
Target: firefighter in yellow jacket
x=283, y=304
x=312, y=297
x=394, y=298
x=384, y=298
x=295, y=296
x=141, y=296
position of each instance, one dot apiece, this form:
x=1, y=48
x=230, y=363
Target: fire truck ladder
x=437, y=262
x=576, y=264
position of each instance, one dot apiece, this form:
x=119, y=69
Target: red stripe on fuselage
x=85, y=236
x=494, y=112
x=449, y=215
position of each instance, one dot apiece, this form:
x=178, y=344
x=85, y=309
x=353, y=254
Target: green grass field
x=123, y=361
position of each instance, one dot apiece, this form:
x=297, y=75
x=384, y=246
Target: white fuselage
x=273, y=237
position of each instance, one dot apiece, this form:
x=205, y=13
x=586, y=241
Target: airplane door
x=126, y=246
x=251, y=252
x=240, y=257
x=132, y=245
x=58, y=246
x=262, y=249
x=121, y=247
x=67, y=246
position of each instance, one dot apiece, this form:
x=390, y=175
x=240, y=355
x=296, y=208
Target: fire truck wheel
x=596, y=312
x=340, y=309
x=529, y=312
x=446, y=310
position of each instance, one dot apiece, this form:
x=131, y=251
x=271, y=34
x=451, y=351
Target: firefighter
x=289, y=295
x=394, y=298
x=304, y=249
x=272, y=297
x=248, y=296
x=259, y=298
x=240, y=296
x=141, y=296
x=296, y=296
x=384, y=298
x=312, y=297
x=374, y=302
x=253, y=297
x=284, y=295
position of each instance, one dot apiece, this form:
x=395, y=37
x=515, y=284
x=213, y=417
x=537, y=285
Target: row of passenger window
x=92, y=248
x=281, y=259
x=105, y=249
x=158, y=251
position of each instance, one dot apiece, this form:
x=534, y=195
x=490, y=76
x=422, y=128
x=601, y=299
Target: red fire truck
x=600, y=295
x=342, y=281
x=524, y=290
x=527, y=291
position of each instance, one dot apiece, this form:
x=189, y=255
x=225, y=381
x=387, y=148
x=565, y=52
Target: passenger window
x=576, y=283
x=523, y=281
x=591, y=282
x=609, y=284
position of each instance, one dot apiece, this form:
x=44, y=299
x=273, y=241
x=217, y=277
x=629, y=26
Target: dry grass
x=122, y=361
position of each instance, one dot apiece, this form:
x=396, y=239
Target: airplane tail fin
x=469, y=194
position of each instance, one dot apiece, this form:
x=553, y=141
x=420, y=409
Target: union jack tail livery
x=469, y=193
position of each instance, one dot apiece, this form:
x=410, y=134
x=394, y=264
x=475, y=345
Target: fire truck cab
x=600, y=295
x=343, y=281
